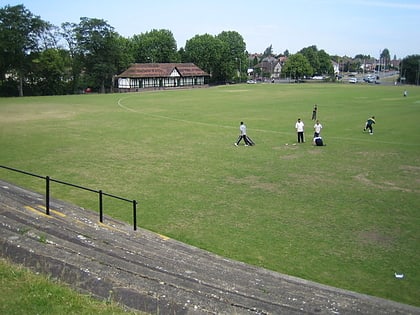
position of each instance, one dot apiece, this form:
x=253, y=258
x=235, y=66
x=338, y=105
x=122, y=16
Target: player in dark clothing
x=314, y=112
x=369, y=125
x=318, y=141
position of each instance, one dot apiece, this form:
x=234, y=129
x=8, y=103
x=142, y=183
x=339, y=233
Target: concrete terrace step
x=150, y=272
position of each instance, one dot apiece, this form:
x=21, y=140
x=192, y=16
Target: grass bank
x=26, y=293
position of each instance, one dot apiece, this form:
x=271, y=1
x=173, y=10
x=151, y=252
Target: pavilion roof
x=160, y=70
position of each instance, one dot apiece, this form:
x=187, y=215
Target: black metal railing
x=48, y=180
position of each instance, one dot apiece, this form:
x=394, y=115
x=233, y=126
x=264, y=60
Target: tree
x=126, y=56
x=20, y=34
x=410, y=69
x=206, y=52
x=319, y=60
x=254, y=61
x=50, y=72
x=234, y=60
x=362, y=57
x=155, y=46
x=68, y=33
x=267, y=52
x=297, y=66
x=311, y=54
x=325, y=63
x=385, y=57
x=97, y=43
x=182, y=55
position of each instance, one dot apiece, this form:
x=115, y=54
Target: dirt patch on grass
x=412, y=170
x=376, y=238
x=386, y=185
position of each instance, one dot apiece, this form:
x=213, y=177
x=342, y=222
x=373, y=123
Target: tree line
x=38, y=58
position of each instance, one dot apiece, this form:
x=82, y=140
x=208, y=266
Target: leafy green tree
x=255, y=61
x=20, y=35
x=155, y=46
x=68, y=33
x=126, y=56
x=385, y=58
x=297, y=67
x=354, y=66
x=182, y=55
x=50, y=71
x=267, y=52
x=234, y=59
x=206, y=51
x=410, y=69
x=319, y=60
x=97, y=44
x=311, y=54
x=362, y=57
x=325, y=63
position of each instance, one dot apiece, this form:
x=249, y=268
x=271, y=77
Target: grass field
x=346, y=214
x=26, y=293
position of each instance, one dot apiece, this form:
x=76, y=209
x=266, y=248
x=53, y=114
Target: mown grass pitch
x=346, y=214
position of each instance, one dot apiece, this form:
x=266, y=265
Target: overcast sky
x=340, y=27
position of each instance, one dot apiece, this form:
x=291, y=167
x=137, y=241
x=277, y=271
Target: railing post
x=47, y=195
x=101, y=213
x=135, y=214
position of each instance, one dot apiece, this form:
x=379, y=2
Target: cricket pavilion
x=161, y=76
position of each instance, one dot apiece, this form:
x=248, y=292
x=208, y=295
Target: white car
x=353, y=80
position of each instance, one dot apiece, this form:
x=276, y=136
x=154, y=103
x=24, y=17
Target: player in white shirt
x=300, y=130
x=317, y=129
x=242, y=135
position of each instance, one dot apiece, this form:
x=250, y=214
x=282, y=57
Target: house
x=277, y=70
x=161, y=75
x=395, y=63
x=267, y=65
x=270, y=66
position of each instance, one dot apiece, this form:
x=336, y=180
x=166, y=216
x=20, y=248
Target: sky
x=340, y=27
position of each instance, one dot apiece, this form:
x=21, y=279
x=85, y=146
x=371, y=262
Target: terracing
x=152, y=273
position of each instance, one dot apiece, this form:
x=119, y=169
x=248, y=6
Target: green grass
x=26, y=293
x=345, y=215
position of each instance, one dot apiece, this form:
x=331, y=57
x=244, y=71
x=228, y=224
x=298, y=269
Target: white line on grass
x=188, y=121
x=370, y=139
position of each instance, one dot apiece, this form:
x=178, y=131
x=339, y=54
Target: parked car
x=251, y=82
x=370, y=79
x=353, y=80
